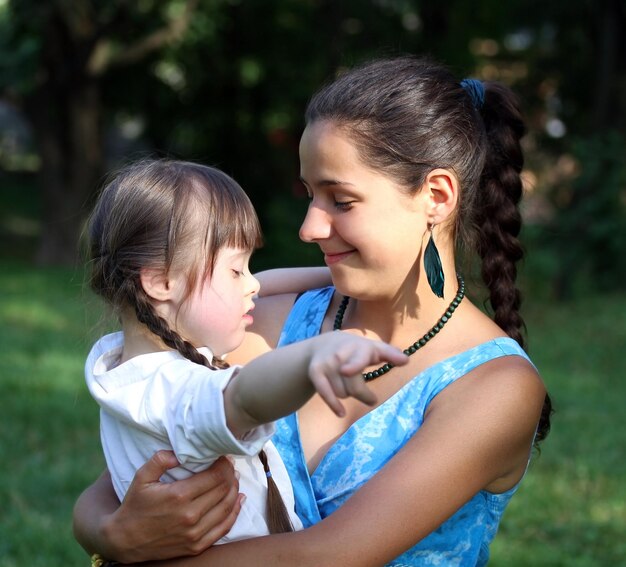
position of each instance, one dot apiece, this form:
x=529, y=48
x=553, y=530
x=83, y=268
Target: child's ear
x=156, y=284
x=443, y=192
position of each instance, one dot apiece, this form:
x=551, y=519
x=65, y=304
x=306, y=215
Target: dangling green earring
x=432, y=264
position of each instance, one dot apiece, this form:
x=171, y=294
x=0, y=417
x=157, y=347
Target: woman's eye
x=343, y=205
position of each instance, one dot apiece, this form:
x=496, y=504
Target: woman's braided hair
x=408, y=116
x=498, y=219
x=170, y=215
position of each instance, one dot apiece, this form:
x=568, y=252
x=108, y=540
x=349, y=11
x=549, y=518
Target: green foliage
x=20, y=213
x=19, y=52
x=587, y=237
x=570, y=509
x=232, y=89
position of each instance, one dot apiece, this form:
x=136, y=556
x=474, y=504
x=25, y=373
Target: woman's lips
x=338, y=257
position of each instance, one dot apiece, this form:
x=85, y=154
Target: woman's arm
x=477, y=435
x=281, y=281
x=157, y=520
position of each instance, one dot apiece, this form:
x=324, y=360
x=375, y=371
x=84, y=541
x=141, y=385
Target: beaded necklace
x=367, y=376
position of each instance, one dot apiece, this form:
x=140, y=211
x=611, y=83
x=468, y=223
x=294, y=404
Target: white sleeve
x=183, y=405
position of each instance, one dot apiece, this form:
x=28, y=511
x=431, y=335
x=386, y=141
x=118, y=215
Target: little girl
x=169, y=244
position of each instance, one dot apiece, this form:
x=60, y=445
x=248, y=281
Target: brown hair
x=167, y=215
x=408, y=116
x=164, y=214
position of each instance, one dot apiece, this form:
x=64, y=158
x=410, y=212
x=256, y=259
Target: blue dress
x=375, y=438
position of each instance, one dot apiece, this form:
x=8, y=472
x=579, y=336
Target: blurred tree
x=224, y=81
x=243, y=80
x=228, y=85
x=53, y=58
x=578, y=71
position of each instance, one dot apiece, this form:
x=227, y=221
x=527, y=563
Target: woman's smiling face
x=368, y=227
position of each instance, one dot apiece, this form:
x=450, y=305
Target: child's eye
x=237, y=273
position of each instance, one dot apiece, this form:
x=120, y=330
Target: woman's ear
x=156, y=284
x=442, y=189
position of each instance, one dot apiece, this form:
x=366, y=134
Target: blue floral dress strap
x=303, y=322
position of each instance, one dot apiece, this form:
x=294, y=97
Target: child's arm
x=292, y=280
x=279, y=382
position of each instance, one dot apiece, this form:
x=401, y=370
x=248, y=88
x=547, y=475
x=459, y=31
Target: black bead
x=367, y=376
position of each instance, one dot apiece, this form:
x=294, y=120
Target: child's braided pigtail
x=142, y=219
x=278, y=520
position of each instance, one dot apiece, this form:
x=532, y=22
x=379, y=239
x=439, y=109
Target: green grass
x=20, y=215
x=570, y=510
x=49, y=425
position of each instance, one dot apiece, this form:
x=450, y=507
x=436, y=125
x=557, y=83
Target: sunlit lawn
x=572, y=508
x=570, y=511
x=49, y=425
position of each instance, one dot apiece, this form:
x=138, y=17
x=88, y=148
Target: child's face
x=217, y=312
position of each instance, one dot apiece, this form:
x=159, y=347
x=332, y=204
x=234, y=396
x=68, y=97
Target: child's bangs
x=239, y=225
x=225, y=216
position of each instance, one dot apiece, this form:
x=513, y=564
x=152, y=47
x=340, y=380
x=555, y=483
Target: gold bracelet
x=98, y=561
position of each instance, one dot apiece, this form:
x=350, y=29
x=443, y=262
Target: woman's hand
x=161, y=521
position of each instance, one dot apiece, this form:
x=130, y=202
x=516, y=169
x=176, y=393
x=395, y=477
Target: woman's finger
x=155, y=468
x=216, y=523
x=217, y=499
x=211, y=484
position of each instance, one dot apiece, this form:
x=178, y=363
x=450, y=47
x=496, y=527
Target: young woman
x=406, y=167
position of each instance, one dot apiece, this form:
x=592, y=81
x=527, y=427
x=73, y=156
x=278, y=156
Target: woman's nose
x=316, y=225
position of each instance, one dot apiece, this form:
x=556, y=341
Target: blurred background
x=87, y=84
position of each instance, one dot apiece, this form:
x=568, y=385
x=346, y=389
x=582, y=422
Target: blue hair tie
x=268, y=474
x=476, y=90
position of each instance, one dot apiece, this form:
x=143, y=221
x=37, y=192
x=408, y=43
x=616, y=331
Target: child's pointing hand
x=336, y=369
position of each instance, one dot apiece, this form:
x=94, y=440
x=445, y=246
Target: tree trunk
x=67, y=132
x=604, y=87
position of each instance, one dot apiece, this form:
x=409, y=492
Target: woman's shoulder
x=501, y=385
x=489, y=358
x=491, y=369
x=510, y=366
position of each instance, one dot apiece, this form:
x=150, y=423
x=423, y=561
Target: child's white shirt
x=164, y=401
